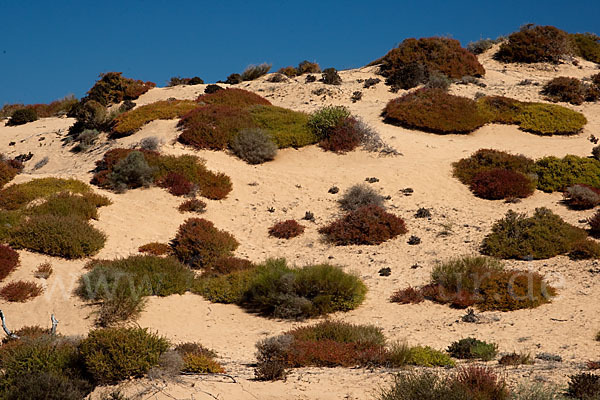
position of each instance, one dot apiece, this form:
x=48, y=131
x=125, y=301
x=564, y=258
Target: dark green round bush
x=22, y=116
x=115, y=354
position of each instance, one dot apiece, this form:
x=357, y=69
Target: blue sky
x=52, y=48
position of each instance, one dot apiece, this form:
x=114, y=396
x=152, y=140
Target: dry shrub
x=20, y=291
x=177, y=81
x=227, y=265
x=495, y=184
x=43, y=271
x=237, y=98
x=436, y=54
x=367, y=225
x=594, y=223
x=585, y=386
x=9, y=261
x=307, y=67
x=409, y=295
x=286, y=229
x=584, y=250
x=516, y=359
x=253, y=72
x=254, y=146
x=582, y=196
x=192, y=205
x=482, y=383
x=7, y=173
x=155, y=249
x=359, y=196
x=534, y=44
x=129, y=122
x=489, y=159
x=113, y=88
x=198, y=243
x=570, y=90
x=213, y=126
x=176, y=184
x=22, y=116
x=289, y=71
x=330, y=76
x=434, y=110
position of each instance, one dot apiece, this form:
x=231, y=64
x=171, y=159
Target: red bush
x=434, y=110
x=286, y=229
x=199, y=244
x=213, y=126
x=215, y=186
x=238, y=98
x=344, y=137
x=176, y=184
x=501, y=183
x=9, y=260
x=20, y=291
x=369, y=224
x=437, y=54
x=409, y=295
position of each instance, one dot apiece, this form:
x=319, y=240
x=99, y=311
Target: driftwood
x=13, y=335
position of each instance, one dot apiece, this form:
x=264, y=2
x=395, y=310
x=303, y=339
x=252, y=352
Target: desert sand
x=298, y=181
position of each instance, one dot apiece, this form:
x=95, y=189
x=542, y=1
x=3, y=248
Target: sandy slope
x=298, y=181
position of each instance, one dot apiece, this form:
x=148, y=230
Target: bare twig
x=8, y=332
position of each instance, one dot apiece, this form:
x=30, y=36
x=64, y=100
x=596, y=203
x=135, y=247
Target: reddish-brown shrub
x=43, y=271
x=482, y=383
x=176, y=184
x=113, y=88
x=227, y=265
x=570, y=90
x=7, y=173
x=344, y=137
x=582, y=196
x=594, y=222
x=215, y=186
x=409, y=295
x=237, y=98
x=498, y=183
x=535, y=44
x=436, y=53
x=213, y=126
x=329, y=353
x=434, y=110
x=485, y=159
x=199, y=244
x=192, y=205
x=585, y=250
x=370, y=224
x=20, y=291
x=155, y=248
x=290, y=71
x=286, y=229
x=9, y=260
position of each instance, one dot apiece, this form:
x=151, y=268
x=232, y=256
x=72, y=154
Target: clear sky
x=49, y=49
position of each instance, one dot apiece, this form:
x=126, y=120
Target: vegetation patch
x=8, y=170
x=253, y=72
x=543, y=235
x=557, y=174
x=20, y=291
x=569, y=90
x=581, y=196
x=532, y=44
x=22, y=116
x=197, y=359
x=155, y=249
x=369, y=225
x=487, y=160
x=286, y=229
x=17, y=196
x=496, y=184
x=287, y=128
x=236, y=98
x=471, y=348
x=129, y=122
x=254, y=145
x=53, y=109
x=113, y=88
x=359, y=196
x=586, y=46
x=9, y=261
x=192, y=205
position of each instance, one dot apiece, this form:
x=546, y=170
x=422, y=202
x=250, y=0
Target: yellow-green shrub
x=550, y=119
x=131, y=121
x=288, y=128
x=16, y=196
x=559, y=173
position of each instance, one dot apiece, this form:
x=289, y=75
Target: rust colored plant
x=286, y=229
x=496, y=184
x=20, y=291
x=9, y=261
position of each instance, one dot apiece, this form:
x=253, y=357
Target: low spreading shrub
x=550, y=119
x=20, y=291
x=17, y=196
x=132, y=171
x=7, y=173
x=47, y=386
x=323, y=121
x=435, y=54
x=286, y=229
x=540, y=236
x=212, y=89
x=409, y=295
x=586, y=46
x=345, y=137
x=330, y=76
x=227, y=265
x=176, y=81
x=253, y=72
x=199, y=243
x=238, y=98
x=500, y=109
x=277, y=78
x=22, y=116
x=254, y=146
x=61, y=236
x=198, y=360
x=115, y=354
x=155, y=249
x=129, y=122
x=9, y=261
x=557, y=174
x=495, y=184
x=367, y=225
x=113, y=88
x=176, y=184
x=64, y=204
x=436, y=111
x=488, y=159
x=533, y=44
x=359, y=196
x=570, y=90
x=213, y=126
x=582, y=196
x=192, y=205
x=481, y=46
x=584, y=386
x=471, y=348
x=594, y=223
x=56, y=108
x=407, y=76
x=437, y=80
x=287, y=128
x=516, y=359
x=584, y=250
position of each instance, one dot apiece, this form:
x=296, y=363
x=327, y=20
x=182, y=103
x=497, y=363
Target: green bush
x=550, y=119
x=198, y=243
x=471, y=348
x=65, y=204
x=323, y=121
x=533, y=44
x=127, y=123
x=587, y=46
x=287, y=128
x=500, y=109
x=22, y=116
x=59, y=236
x=254, y=146
x=426, y=356
x=17, y=196
x=488, y=159
x=227, y=289
x=434, y=110
x=90, y=115
x=198, y=360
x=556, y=174
x=540, y=236
x=115, y=354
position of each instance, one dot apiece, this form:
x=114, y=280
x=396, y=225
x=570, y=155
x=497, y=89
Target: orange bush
x=239, y=98
x=434, y=110
x=213, y=126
